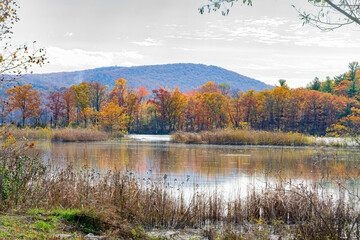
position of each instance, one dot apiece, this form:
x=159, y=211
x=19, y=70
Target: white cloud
x=148, y=42
x=269, y=31
x=78, y=59
x=69, y=34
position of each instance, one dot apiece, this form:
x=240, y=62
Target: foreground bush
x=242, y=137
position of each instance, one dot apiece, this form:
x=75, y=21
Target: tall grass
x=66, y=135
x=73, y=135
x=243, y=137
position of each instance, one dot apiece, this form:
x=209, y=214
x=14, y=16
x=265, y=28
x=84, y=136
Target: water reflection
x=238, y=165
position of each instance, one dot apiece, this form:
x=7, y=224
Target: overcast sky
x=266, y=41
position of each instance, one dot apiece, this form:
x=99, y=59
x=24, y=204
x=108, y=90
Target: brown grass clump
x=32, y=133
x=73, y=135
x=242, y=137
x=66, y=135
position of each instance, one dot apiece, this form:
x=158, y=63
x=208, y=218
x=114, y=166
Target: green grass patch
x=31, y=227
x=82, y=220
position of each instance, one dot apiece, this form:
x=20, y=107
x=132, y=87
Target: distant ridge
x=187, y=76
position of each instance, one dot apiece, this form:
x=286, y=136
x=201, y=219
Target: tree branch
x=337, y=8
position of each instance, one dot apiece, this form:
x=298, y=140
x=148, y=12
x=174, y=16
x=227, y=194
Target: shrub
x=20, y=168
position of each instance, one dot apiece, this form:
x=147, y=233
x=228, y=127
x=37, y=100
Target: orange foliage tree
x=169, y=108
x=119, y=92
x=68, y=100
x=25, y=100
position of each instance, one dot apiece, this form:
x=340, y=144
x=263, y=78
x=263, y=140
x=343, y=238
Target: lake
x=225, y=167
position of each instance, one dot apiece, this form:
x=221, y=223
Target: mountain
x=185, y=76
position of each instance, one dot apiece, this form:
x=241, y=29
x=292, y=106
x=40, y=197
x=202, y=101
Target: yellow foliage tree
x=113, y=118
x=81, y=95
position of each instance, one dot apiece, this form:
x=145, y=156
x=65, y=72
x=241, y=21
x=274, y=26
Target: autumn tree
x=25, y=100
x=176, y=109
x=143, y=92
x=190, y=111
x=161, y=102
x=68, y=101
x=132, y=106
x=56, y=105
x=236, y=110
x=81, y=95
x=169, y=108
x=271, y=108
x=142, y=106
x=250, y=104
x=97, y=95
x=119, y=91
x=320, y=110
x=113, y=118
x=294, y=104
x=280, y=96
x=349, y=125
x=210, y=87
x=212, y=110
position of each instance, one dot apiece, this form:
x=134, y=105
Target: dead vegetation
x=65, y=135
x=243, y=137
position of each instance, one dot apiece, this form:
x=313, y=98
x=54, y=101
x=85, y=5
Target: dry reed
x=73, y=135
x=66, y=135
x=242, y=137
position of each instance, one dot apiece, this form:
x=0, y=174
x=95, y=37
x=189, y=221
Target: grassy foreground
x=121, y=206
x=243, y=137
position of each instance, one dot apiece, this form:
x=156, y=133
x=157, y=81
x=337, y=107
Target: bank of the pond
x=252, y=137
x=80, y=224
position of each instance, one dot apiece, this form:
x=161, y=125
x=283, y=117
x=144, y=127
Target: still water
x=207, y=165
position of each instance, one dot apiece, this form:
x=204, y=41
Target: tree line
x=331, y=106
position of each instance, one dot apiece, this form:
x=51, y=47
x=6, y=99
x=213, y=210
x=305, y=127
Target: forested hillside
x=185, y=76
